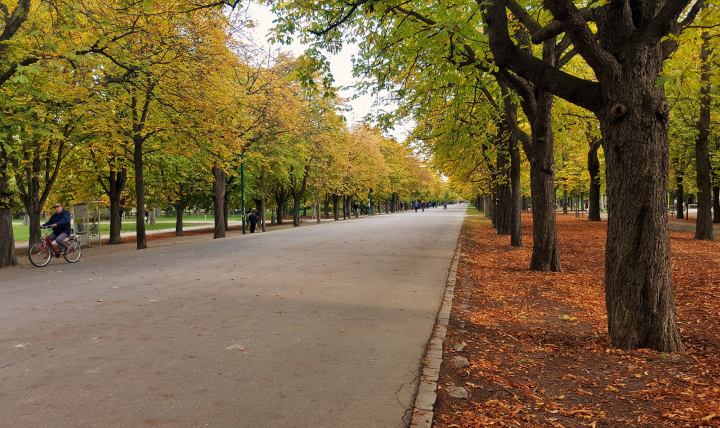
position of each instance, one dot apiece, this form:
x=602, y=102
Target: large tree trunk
x=638, y=282
x=703, y=225
x=546, y=251
x=7, y=238
x=627, y=58
x=515, y=220
x=139, y=193
x=219, y=201
x=594, y=170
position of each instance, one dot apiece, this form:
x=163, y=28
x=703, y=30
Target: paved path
x=320, y=326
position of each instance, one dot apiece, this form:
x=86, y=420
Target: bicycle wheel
x=39, y=254
x=74, y=250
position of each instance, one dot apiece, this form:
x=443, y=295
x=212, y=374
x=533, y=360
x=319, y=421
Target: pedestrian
x=147, y=216
x=416, y=206
x=253, y=220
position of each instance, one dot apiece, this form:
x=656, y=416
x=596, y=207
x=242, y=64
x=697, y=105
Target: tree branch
x=578, y=91
x=583, y=38
x=666, y=20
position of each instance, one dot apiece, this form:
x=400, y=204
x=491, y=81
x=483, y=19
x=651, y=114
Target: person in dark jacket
x=60, y=222
x=253, y=219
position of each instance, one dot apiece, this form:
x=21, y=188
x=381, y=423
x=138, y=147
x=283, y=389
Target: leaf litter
x=538, y=345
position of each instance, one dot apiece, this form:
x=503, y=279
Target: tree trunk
x=336, y=207
x=7, y=238
x=296, y=212
x=565, y=200
x=179, y=219
x=546, y=252
x=219, y=201
x=281, y=196
x=262, y=213
x=116, y=182
x=638, y=282
x=226, y=204
x=327, y=206
x=680, y=195
x=703, y=225
x=515, y=222
x=594, y=170
x=504, y=209
x=139, y=193
x=716, y=204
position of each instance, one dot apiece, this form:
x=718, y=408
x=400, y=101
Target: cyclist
x=60, y=222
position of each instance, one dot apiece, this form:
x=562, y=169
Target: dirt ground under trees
x=537, y=347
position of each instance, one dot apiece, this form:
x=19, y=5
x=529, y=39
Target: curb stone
x=427, y=390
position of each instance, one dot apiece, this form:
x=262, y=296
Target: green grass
x=473, y=211
x=22, y=233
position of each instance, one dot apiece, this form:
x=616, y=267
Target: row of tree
x=164, y=104
x=612, y=82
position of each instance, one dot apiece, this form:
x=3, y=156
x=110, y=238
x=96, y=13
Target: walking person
x=253, y=220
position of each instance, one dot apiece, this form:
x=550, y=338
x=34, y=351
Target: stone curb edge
x=427, y=389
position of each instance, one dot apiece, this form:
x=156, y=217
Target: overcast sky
x=340, y=65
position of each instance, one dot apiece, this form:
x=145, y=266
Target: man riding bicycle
x=60, y=222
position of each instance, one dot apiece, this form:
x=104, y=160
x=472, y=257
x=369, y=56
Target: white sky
x=340, y=66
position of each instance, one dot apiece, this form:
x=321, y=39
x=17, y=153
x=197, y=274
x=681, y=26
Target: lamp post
x=242, y=190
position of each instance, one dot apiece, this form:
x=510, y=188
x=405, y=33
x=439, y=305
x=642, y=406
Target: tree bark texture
x=638, y=283
x=116, y=185
x=218, y=201
x=281, y=197
x=703, y=225
x=716, y=204
x=179, y=219
x=546, y=250
x=139, y=192
x=680, y=195
x=594, y=170
x=516, y=208
x=336, y=207
x=7, y=238
x=504, y=213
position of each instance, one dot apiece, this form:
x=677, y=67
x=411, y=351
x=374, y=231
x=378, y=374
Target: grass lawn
x=22, y=233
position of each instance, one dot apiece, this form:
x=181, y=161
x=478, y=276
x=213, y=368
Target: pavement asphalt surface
x=321, y=326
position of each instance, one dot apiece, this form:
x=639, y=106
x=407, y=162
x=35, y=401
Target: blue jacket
x=62, y=219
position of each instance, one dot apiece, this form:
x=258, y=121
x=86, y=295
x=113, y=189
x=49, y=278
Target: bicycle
x=42, y=251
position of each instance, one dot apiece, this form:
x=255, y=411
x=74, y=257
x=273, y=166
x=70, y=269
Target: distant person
x=147, y=216
x=60, y=223
x=253, y=220
x=416, y=206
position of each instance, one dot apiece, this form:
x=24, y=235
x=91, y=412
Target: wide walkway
x=321, y=326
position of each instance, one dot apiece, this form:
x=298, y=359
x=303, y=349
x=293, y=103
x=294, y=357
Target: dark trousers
x=252, y=227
